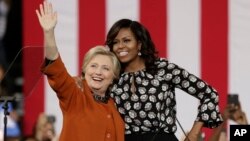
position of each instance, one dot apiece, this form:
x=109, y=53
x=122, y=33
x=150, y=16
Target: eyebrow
x=125, y=37
x=100, y=65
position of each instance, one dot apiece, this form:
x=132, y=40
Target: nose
x=120, y=44
x=98, y=70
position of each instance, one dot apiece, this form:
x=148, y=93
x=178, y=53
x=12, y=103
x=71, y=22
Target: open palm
x=47, y=17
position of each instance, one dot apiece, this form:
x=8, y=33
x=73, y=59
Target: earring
x=139, y=53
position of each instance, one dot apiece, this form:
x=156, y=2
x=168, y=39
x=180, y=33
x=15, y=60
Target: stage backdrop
x=210, y=38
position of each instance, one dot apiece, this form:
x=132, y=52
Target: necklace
x=103, y=99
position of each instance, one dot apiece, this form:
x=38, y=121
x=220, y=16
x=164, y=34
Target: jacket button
x=108, y=135
x=108, y=116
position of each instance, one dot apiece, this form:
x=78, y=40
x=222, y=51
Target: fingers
x=41, y=10
x=47, y=17
x=45, y=8
x=50, y=8
x=38, y=14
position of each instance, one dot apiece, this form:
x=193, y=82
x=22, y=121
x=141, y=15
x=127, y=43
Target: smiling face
x=99, y=73
x=125, y=46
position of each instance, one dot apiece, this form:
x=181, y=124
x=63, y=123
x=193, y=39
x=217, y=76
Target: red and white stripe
x=210, y=38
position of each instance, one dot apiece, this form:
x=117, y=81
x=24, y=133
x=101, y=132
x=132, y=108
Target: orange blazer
x=84, y=119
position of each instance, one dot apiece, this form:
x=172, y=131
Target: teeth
x=123, y=53
x=95, y=78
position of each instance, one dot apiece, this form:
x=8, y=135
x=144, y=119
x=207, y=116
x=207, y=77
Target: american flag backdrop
x=210, y=38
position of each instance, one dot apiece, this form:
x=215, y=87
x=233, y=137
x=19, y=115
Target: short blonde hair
x=101, y=50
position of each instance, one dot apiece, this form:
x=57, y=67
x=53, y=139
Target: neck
x=135, y=65
x=95, y=92
x=100, y=98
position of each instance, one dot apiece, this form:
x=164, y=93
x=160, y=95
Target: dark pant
x=160, y=136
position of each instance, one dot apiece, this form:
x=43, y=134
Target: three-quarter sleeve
x=208, y=109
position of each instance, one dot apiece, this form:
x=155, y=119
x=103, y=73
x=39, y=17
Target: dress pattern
x=147, y=101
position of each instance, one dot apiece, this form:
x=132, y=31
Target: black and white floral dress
x=147, y=102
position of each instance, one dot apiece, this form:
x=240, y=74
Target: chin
x=96, y=88
x=123, y=60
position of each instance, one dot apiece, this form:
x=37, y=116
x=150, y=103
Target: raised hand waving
x=47, y=16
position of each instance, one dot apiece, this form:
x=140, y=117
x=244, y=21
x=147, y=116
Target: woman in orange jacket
x=88, y=114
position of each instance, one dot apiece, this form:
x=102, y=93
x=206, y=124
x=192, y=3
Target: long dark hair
x=148, y=50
